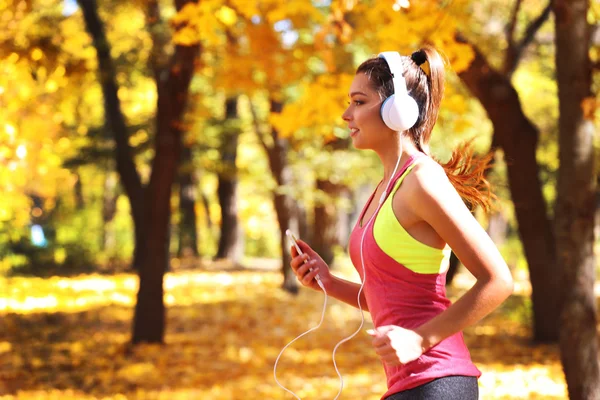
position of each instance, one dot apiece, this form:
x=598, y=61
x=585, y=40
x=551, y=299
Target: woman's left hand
x=396, y=345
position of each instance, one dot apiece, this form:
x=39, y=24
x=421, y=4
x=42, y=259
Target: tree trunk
x=188, y=232
x=575, y=202
x=140, y=236
x=517, y=136
x=109, y=210
x=283, y=209
x=206, y=205
x=452, y=268
x=173, y=90
x=284, y=204
x=497, y=222
x=498, y=227
x=325, y=232
x=331, y=220
x=344, y=225
x=231, y=240
x=79, y=199
x=597, y=214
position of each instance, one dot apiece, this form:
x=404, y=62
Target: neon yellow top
x=397, y=243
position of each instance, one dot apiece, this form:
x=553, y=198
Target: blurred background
x=153, y=153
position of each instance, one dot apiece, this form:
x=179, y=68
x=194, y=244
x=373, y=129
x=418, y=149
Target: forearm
x=347, y=292
x=475, y=304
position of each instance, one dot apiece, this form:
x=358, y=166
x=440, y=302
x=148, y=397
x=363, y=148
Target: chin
x=358, y=144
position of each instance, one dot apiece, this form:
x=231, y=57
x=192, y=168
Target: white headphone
x=399, y=111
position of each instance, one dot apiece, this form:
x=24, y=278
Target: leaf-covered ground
x=66, y=338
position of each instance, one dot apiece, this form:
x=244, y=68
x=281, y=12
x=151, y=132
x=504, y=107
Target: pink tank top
x=398, y=296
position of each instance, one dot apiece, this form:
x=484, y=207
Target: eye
x=356, y=102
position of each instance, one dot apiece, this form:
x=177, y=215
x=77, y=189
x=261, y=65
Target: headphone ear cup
x=399, y=112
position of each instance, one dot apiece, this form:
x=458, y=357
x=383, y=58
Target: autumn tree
x=150, y=204
x=230, y=240
x=575, y=203
x=188, y=195
x=517, y=136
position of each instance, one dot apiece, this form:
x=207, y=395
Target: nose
x=347, y=116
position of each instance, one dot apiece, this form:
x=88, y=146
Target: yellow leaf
x=589, y=105
x=226, y=15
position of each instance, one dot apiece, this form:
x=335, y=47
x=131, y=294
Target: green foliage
x=65, y=259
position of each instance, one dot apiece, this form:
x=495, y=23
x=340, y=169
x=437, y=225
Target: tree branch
x=257, y=128
x=536, y=25
x=515, y=51
x=510, y=30
x=159, y=32
x=115, y=119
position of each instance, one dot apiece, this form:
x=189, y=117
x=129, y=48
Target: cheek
x=365, y=112
x=373, y=117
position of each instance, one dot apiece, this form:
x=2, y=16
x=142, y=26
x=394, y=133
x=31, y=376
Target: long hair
x=465, y=171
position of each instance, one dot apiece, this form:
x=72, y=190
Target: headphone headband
x=394, y=62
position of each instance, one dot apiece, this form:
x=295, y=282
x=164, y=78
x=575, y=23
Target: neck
x=403, y=150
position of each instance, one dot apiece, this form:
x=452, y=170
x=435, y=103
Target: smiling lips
x=353, y=132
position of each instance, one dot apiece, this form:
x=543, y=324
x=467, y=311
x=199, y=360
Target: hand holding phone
x=292, y=238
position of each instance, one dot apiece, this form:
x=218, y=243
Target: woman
x=401, y=246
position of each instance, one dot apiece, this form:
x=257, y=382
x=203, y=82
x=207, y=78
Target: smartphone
x=292, y=238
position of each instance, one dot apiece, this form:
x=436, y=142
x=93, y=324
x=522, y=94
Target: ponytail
x=467, y=173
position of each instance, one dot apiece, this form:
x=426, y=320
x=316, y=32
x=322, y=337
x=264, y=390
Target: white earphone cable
x=298, y=337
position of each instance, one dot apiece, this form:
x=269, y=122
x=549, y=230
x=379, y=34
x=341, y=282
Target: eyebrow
x=355, y=93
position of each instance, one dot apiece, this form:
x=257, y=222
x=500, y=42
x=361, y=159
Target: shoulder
x=427, y=176
x=428, y=186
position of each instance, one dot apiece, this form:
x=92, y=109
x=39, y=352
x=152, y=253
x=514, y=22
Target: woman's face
x=367, y=129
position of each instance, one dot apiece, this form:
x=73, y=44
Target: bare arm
x=336, y=287
x=347, y=292
x=433, y=198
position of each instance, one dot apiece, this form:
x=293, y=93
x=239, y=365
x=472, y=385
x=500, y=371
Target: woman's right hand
x=314, y=261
